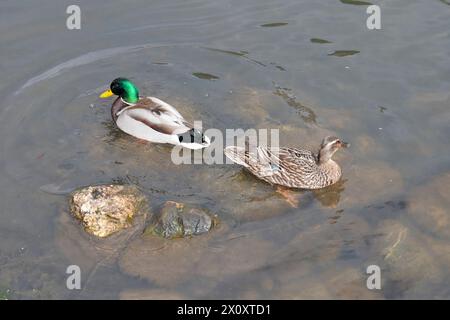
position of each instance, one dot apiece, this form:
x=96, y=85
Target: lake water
x=309, y=68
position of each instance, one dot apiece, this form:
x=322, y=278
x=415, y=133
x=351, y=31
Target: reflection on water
x=269, y=70
x=330, y=196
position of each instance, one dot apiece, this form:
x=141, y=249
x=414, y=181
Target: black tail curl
x=192, y=136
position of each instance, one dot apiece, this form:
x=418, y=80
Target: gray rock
x=106, y=209
x=177, y=220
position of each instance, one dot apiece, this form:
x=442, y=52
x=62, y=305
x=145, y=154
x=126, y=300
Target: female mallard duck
x=291, y=167
x=151, y=119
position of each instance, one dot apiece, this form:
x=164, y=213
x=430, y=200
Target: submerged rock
x=106, y=209
x=429, y=205
x=164, y=262
x=411, y=269
x=178, y=220
x=208, y=260
x=370, y=182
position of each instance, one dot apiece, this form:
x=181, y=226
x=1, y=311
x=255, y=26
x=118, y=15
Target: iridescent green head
x=123, y=88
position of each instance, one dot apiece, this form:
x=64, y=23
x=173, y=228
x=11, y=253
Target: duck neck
x=117, y=106
x=130, y=93
x=324, y=156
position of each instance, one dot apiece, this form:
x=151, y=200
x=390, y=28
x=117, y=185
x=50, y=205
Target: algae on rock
x=106, y=209
x=178, y=220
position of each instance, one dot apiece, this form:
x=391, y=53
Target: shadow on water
x=205, y=76
x=356, y=2
x=344, y=53
x=274, y=24
x=318, y=40
x=113, y=132
x=242, y=53
x=307, y=114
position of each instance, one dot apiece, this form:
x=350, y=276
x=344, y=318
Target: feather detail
x=157, y=121
x=290, y=167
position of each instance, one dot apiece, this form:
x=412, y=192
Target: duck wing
x=158, y=115
x=159, y=107
x=155, y=120
x=290, y=167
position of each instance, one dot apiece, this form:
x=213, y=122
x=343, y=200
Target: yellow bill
x=106, y=94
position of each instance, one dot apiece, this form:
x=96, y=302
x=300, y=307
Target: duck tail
x=238, y=155
x=194, y=139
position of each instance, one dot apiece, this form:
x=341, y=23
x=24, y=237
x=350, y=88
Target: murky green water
x=309, y=68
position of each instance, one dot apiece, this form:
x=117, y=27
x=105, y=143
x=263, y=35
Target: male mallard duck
x=291, y=167
x=150, y=118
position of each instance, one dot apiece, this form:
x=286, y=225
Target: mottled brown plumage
x=291, y=167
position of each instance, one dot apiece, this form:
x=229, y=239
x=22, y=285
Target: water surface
x=309, y=68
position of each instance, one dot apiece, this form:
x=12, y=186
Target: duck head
x=328, y=147
x=123, y=88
